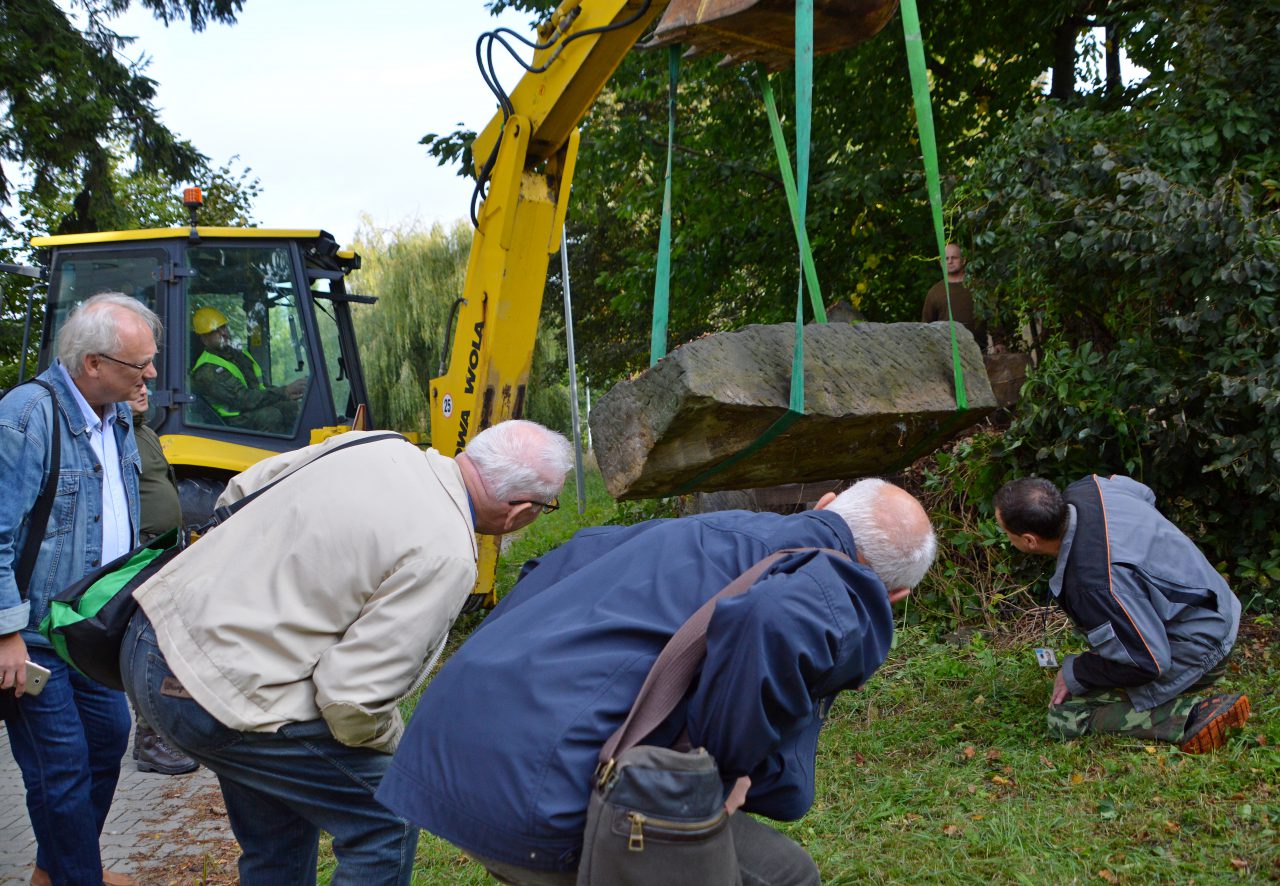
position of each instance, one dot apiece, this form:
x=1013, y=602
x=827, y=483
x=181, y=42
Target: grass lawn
x=940, y=771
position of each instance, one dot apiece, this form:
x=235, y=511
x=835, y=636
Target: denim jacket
x=72, y=543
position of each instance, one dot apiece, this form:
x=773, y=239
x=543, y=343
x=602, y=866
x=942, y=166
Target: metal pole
x=590, y=445
x=573, y=371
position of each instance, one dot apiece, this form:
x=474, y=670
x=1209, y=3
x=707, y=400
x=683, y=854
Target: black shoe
x=1210, y=719
x=153, y=754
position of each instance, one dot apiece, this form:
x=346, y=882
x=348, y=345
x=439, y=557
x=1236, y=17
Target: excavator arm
x=525, y=157
x=529, y=151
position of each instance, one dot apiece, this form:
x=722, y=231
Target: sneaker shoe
x=153, y=754
x=1210, y=719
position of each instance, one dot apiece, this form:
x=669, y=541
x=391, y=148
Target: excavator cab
x=258, y=354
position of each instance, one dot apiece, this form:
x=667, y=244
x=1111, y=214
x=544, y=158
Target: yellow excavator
x=524, y=164
x=274, y=302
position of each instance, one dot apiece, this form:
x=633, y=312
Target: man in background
x=230, y=380
x=161, y=510
x=962, y=308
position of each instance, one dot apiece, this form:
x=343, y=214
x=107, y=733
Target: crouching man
x=274, y=650
x=499, y=756
x=1159, y=619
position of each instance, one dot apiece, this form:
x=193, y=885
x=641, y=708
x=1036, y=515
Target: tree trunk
x=1114, y=82
x=1064, y=59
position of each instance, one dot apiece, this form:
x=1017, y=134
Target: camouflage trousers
x=1109, y=710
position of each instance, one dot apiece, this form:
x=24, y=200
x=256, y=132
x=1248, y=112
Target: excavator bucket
x=764, y=30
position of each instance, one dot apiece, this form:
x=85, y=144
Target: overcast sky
x=325, y=101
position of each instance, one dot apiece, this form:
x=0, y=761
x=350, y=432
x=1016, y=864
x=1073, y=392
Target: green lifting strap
x=662, y=274
x=796, y=202
x=803, y=109
x=929, y=151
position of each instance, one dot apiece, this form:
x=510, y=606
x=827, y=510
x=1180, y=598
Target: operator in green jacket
x=230, y=381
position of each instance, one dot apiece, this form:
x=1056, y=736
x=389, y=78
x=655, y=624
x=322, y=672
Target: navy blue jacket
x=499, y=754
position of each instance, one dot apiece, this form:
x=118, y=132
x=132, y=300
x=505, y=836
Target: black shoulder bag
x=656, y=814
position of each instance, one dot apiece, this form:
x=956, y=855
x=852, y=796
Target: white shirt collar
x=91, y=417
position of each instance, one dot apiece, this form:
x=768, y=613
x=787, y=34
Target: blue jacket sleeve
x=772, y=655
x=22, y=464
x=586, y=546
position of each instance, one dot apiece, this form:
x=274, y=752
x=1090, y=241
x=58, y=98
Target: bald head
x=891, y=530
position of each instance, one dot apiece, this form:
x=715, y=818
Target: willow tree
x=417, y=275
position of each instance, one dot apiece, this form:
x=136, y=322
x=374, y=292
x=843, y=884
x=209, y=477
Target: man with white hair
x=276, y=649
x=499, y=756
x=69, y=739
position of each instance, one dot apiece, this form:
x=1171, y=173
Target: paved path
x=154, y=819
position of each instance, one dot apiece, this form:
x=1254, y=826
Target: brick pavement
x=153, y=818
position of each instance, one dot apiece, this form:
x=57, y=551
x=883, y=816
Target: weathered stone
x=877, y=396
x=1006, y=372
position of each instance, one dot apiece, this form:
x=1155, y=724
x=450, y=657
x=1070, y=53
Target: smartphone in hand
x=37, y=677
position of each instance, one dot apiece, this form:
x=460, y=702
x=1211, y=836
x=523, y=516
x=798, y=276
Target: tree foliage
x=67, y=95
x=417, y=275
x=1146, y=240
x=144, y=200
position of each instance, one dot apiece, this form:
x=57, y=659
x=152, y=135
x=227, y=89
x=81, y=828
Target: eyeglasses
x=547, y=506
x=140, y=367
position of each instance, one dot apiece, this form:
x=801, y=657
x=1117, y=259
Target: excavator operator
x=230, y=381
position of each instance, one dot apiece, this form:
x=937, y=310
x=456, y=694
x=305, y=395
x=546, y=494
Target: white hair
x=92, y=328
x=891, y=531
x=521, y=459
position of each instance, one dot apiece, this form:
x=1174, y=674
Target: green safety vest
x=226, y=364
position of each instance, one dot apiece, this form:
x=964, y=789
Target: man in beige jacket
x=275, y=650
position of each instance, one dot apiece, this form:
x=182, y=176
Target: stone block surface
x=877, y=396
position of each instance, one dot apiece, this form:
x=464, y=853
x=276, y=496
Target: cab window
x=77, y=276
x=247, y=362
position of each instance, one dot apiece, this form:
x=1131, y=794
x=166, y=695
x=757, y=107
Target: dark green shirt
x=158, y=486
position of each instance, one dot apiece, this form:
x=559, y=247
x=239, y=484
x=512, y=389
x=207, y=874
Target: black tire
x=198, y=496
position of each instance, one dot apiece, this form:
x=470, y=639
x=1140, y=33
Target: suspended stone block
x=765, y=30
x=877, y=397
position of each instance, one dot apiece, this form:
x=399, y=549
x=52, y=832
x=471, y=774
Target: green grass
x=940, y=771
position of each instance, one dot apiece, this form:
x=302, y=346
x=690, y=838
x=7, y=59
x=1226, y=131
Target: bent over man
x=1159, y=619
x=499, y=756
x=68, y=740
x=275, y=649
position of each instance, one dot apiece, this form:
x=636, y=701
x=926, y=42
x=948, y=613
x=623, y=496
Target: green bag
x=87, y=620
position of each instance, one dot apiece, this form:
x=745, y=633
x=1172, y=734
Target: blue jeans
x=68, y=742
x=281, y=788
